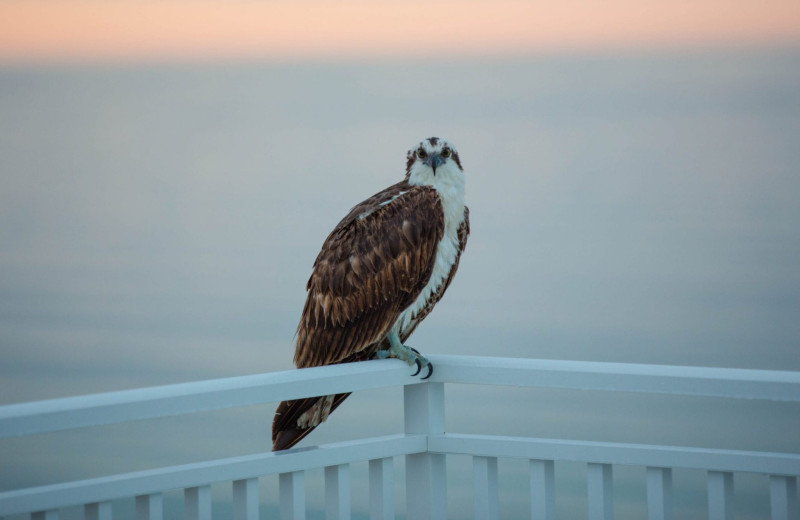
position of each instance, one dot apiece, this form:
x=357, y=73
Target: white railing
x=423, y=443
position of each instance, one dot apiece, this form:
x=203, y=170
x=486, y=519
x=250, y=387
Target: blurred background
x=169, y=170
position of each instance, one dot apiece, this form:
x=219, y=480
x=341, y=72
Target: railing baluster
x=485, y=487
x=97, y=511
x=381, y=489
x=245, y=499
x=601, y=492
x=197, y=503
x=337, y=492
x=426, y=480
x=543, y=498
x=659, y=493
x=720, y=495
x=783, y=497
x=292, y=495
x=150, y=507
x=45, y=515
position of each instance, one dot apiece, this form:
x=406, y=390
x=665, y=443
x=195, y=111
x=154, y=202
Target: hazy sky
x=181, y=29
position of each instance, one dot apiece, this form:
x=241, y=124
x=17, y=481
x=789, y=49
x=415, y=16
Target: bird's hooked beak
x=434, y=161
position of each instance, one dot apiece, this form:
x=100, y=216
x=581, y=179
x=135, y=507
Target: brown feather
x=370, y=268
x=286, y=433
x=384, y=262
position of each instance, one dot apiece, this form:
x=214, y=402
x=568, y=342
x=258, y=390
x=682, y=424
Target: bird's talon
x=419, y=367
x=430, y=371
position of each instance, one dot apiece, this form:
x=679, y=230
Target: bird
x=379, y=273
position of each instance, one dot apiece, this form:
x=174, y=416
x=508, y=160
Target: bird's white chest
x=447, y=251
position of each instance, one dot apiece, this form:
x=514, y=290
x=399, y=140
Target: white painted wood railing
x=423, y=443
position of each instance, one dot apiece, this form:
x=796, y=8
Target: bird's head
x=432, y=162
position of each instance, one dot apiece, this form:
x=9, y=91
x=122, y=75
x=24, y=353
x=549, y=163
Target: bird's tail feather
x=296, y=419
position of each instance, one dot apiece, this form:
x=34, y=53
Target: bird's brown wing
x=371, y=267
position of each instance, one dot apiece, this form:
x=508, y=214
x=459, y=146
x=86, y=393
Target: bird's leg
x=409, y=355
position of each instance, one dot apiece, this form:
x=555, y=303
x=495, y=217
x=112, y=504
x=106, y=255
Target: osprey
x=378, y=275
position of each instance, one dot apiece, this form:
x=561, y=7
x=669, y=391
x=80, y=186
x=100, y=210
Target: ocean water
x=158, y=225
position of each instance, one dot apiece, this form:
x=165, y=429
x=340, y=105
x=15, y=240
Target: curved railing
x=423, y=443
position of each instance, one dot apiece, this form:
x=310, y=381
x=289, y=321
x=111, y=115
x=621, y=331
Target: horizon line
x=615, y=51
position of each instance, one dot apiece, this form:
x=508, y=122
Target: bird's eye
x=422, y=153
x=445, y=152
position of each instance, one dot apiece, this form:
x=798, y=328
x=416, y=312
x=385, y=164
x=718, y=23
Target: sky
x=90, y=30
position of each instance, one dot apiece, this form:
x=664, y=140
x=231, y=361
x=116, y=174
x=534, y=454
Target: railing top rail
x=200, y=396
x=161, y=401
x=736, y=383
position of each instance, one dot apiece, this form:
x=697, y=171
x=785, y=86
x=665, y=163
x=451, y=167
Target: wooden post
x=783, y=497
x=485, y=487
x=426, y=486
x=150, y=507
x=720, y=495
x=197, y=503
x=543, y=497
x=292, y=495
x=245, y=499
x=337, y=492
x=97, y=511
x=659, y=493
x=601, y=492
x=381, y=489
